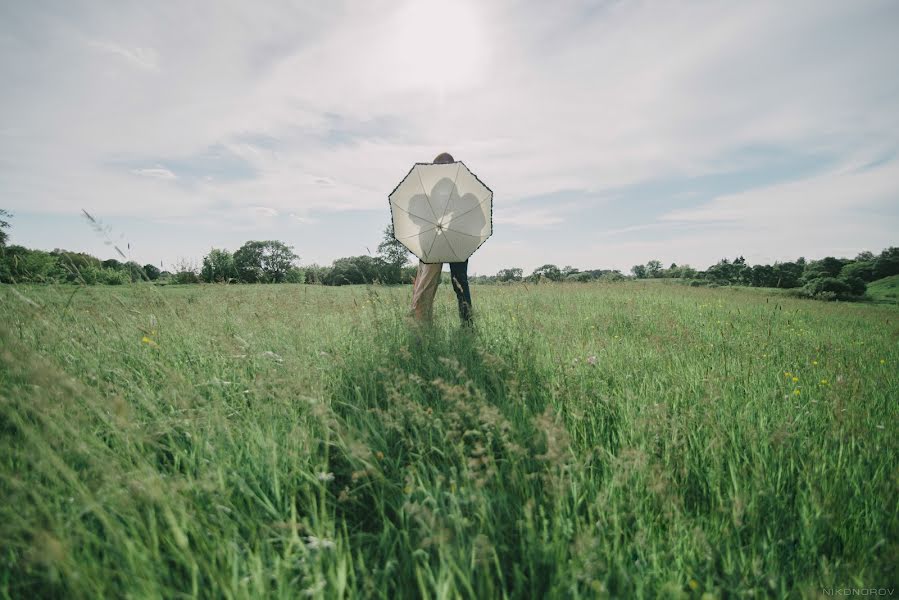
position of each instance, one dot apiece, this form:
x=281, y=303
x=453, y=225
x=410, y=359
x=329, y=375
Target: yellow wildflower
x=796, y=392
x=795, y=379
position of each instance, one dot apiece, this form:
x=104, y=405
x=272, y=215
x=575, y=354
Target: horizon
x=611, y=133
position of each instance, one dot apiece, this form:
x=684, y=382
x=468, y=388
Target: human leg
x=424, y=289
x=459, y=275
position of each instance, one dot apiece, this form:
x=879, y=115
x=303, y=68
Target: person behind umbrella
x=428, y=278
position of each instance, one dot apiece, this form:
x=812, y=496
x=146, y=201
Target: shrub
x=111, y=276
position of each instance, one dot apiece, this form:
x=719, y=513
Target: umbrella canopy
x=442, y=212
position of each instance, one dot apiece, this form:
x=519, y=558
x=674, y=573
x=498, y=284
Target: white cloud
x=155, y=172
x=145, y=58
x=328, y=108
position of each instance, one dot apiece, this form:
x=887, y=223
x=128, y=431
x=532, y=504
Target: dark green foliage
x=826, y=267
x=218, y=266
x=264, y=261
x=152, y=272
x=513, y=274
x=356, y=270
x=4, y=224
x=550, y=272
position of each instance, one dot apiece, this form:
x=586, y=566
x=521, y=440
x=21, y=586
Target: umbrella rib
x=456, y=217
x=406, y=237
x=425, y=192
x=416, y=216
x=461, y=233
x=445, y=208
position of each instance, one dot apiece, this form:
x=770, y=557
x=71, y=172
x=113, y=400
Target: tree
x=218, y=266
x=392, y=250
x=266, y=261
x=639, y=271
x=152, y=272
x=355, y=270
x=394, y=256
x=826, y=267
x=887, y=263
x=513, y=274
x=4, y=224
x=861, y=269
x=550, y=272
x=568, y=271
x=654, y=268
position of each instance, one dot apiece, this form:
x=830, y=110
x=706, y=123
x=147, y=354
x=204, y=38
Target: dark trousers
x=459, y=276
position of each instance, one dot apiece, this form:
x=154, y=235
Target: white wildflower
x=317, y=543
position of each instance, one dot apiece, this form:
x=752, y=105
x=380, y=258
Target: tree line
x=273, y=261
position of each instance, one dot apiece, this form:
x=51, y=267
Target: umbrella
x=442, y=212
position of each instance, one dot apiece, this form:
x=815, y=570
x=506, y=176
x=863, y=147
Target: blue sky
x=611, y=133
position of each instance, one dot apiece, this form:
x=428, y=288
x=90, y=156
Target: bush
x=833, y=288
x=111, y=276
x=185, y=277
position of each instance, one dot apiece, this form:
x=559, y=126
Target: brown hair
x=444, y=158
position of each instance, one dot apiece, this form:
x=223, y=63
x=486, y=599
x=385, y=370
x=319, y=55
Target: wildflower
x=795, y=379
x=317, y=543
x=787, y=374
x=146, y=340
x=591, y=360
x=271, y=355
x=824, y=382
x=815, y=363
x=322, y=476
x=694, y=585
x=883, y=361
x=796, y=392
x=379, y=455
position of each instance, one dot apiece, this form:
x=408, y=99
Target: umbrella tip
x=444, y=158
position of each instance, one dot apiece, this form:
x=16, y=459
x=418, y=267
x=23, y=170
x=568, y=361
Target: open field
x=618, y=440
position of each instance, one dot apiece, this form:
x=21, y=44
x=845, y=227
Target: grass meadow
x=583, y=441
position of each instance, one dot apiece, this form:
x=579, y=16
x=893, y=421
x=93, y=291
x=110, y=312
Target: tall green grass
x=629, y=440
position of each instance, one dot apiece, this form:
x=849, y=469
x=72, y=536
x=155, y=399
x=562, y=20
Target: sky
x=611, y=133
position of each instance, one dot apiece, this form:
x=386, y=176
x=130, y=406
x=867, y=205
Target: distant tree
x=264, y=261
x=548, y=271
x=861, y=269
x=512, y=274
x=315, y=274
x=134, y=270
x=112, y=263
x=22, y=265
x=355, y=270
x=152, y=272
x=568, y=271
x=392, y=250
x=218, y=266
x=887, y=263
x=639, y=271
x=654, y=268
x=864, y=256
x=185, y=272
x=788, y=275
x=826, y=267
x=76, y=267
x=4, y=224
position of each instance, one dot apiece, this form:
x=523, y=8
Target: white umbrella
x=442, y=212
